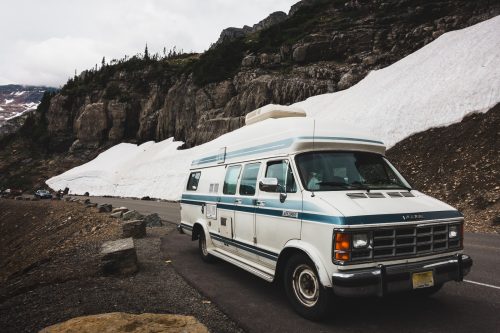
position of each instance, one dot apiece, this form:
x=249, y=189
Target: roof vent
x=356, y=195
x=273, y=111
x=375, y=195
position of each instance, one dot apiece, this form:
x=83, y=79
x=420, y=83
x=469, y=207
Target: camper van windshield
x=336, y=171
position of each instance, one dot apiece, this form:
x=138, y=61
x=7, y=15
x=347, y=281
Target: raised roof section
x=279, y=137
x=274, y=111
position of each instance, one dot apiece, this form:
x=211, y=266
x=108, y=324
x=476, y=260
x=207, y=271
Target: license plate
x=422, y=280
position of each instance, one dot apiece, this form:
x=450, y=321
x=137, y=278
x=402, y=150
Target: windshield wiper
x=360, y=186
x=333, y=184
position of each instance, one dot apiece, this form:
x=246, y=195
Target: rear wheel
x=303, y=288
x=202, y=248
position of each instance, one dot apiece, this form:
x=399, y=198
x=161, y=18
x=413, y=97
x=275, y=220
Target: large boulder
x=153, y=220
x=118, y=322
x=119, y=257
x=134, y=229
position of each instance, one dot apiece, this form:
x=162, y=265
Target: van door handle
x=261, y=203
x=238, y=201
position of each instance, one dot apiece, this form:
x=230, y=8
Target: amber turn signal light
x=342, y=242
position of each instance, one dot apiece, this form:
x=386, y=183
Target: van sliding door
x=244, y=214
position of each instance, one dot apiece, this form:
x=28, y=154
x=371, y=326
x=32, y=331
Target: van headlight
x=453, y=231
x=359, y=241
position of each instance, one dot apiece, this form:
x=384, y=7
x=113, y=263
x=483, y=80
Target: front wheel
x=304, y=290
x=202, y=247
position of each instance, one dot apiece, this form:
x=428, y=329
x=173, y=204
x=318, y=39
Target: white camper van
x=320, y=209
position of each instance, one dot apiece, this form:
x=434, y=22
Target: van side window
x=282, y=171
x=248, y=182
x=231, y=180
x=194, y=179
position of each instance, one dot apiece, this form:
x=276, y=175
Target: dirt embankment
x=459, y=164
x=49, y=270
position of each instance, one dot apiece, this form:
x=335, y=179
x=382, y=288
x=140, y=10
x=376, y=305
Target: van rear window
x=194, y=179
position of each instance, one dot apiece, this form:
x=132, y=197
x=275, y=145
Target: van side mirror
x=268, y=184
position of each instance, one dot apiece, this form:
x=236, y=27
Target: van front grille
x=407, y=242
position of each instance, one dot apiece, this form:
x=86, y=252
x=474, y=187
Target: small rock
x=119, y=257
x=89, y=205
x=120, y=209
x=105, y=208
x=116, y=215
x=496, y=220
x=132, y=215
x=153, y=220
x=134, y=229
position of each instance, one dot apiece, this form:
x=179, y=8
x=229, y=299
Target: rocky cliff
x=319, y=47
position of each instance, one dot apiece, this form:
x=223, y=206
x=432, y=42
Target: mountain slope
x=321, y=46
x=15, y=101
x=459, y=164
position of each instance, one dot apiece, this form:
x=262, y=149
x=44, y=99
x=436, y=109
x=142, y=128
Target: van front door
x=277, y=219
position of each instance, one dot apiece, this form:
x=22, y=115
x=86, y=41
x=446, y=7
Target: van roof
x=280, y=137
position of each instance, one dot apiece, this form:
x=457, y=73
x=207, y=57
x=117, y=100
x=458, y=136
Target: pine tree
x=146, y=52
x=103, y=63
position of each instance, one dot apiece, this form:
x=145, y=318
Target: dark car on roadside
x=43, y=194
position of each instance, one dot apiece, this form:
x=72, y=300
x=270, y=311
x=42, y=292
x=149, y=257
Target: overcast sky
x=43, y=42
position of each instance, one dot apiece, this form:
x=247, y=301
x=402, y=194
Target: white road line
x=482, y=284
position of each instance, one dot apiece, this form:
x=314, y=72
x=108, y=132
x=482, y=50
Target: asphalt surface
x=258, y=306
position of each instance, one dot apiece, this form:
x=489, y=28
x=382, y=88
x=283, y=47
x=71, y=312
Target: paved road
x=472, y=306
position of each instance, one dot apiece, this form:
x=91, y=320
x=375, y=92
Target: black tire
x=202, y=248
x=426, y=292
x=304, y=290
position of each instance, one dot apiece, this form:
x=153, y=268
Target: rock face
x=119, y=257
x=118, y=322
x=320, y=47
x=232, y=33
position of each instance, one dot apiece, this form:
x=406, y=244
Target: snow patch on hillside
x=455, y=75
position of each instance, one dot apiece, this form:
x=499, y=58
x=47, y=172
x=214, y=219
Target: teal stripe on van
x=228, y=204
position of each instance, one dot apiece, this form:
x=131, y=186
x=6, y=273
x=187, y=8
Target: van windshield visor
x=337, y=171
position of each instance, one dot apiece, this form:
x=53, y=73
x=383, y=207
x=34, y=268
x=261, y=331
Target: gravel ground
x=156, y=288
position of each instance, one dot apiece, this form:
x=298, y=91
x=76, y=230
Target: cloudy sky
x=43, y=42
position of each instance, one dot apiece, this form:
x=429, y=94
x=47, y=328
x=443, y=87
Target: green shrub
x=220, y=63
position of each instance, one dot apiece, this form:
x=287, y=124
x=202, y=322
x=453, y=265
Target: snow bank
x=457, y=74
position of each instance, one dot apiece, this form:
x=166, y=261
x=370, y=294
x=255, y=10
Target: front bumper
x=397, y=278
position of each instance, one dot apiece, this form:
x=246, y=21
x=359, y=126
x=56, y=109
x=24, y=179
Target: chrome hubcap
x=305, y=285
x=204, y=246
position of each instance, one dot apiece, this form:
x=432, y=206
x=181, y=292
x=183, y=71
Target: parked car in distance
x=43, y=194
